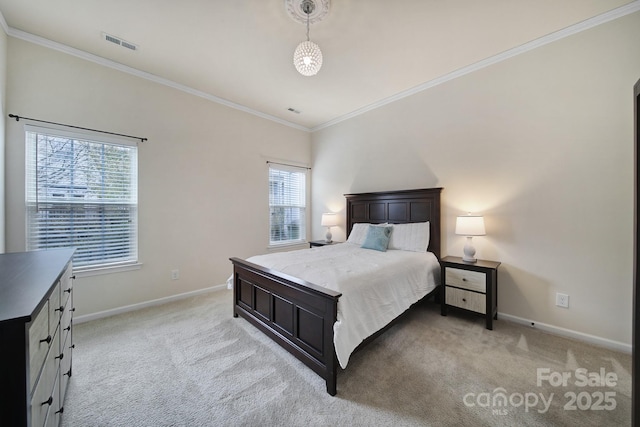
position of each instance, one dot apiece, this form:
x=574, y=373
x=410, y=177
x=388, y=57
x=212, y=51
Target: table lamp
x=469, y=226
x=329, y=220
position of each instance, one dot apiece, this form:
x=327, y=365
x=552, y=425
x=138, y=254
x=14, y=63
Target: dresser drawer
x=39, y=340
x=466, y=299
x=43, y=394
x=66, y=320
x=66, y=285
x=55, y=308
x=466, y=279
x=65, y=366
x=54, y=414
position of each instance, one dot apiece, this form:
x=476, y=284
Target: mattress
x=376, y=286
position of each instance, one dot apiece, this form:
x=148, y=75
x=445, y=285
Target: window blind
x=82, y=193
x=287, y=204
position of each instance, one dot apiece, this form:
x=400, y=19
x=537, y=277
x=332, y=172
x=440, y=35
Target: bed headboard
x=398, y=207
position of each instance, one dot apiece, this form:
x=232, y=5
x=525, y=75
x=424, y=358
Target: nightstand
x=321, y=243
x=470, y=286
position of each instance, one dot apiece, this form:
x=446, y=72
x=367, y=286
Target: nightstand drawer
x=466, y=299
x=466, y=279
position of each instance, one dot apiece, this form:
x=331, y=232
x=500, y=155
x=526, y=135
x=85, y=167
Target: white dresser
x=36, y=319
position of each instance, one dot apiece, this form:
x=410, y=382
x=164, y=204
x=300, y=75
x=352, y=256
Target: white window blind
x=287, y=204
x=82, y=193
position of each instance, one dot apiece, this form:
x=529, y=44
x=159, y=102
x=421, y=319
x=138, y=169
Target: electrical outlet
x=562, y=300
x=175, y=274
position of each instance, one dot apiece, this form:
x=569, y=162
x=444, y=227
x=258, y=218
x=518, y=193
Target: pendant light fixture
x=307, y=57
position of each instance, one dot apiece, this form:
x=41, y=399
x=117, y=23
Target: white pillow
x=410, y=237
x=358, y=233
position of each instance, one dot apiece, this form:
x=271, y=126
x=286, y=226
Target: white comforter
x=376, y=286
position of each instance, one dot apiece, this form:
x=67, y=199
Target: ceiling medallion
x=296, y=11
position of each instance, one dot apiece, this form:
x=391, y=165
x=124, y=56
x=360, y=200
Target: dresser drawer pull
x=464, y=300
x=59, y=308
x=49, y=401
x=464, y=279
x=73, y=277
x=60, y=357
x=73, y=309
x=68, y=328
x=60, y=411
x=68, y=373
x=47, y=339
x=72, y=346
x=68, y=290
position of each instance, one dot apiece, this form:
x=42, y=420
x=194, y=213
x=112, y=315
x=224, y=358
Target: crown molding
x=587, y=24
x=41, y=41
x=534, y=44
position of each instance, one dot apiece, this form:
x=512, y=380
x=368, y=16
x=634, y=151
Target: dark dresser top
x=26, y=279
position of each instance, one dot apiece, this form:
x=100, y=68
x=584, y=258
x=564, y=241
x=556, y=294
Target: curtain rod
x=13, y=116
x=293, y=166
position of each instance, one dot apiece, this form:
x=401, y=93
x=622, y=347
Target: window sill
x=287, y=245
x=97, y=271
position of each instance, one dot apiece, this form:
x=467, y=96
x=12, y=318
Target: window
x=82, y=193
x=287, y=204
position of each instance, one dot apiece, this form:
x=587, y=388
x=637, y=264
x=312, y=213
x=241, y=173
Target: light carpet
x=190, y=363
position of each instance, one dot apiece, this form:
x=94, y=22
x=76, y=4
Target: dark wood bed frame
x=299, y=315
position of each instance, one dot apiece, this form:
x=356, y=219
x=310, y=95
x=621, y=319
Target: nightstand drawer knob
x=464, y=300
x=464, y=279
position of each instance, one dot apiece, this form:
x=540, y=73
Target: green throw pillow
x=377, y=238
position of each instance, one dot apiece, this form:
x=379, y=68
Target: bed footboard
x=296, y=314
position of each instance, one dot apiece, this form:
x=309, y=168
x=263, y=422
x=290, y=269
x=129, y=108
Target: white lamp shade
x=470, y=225
x=329, y=220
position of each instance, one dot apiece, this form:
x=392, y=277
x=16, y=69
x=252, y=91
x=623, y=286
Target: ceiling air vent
x=119, y=41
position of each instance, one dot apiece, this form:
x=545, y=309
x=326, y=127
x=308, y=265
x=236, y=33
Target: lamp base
x=469, y=251
x=328, y=236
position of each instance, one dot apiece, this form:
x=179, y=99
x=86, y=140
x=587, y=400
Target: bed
x=299, y=314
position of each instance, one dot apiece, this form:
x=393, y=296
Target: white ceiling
x=241, y=50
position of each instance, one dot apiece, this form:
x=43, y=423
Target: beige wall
x=203, y=183
x=542, y=145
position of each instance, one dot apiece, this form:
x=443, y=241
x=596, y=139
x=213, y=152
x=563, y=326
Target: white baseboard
x=592, y=339
x=138, y=306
